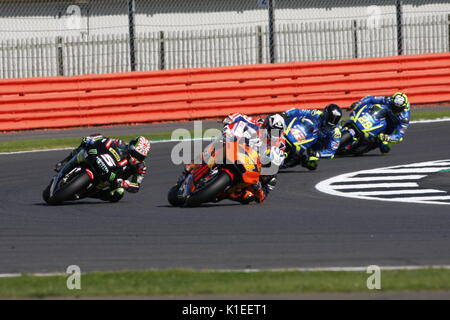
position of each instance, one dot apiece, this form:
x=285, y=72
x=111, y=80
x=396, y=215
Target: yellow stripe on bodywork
x=298, y=145
x=290, y=125
x=359, y=112
x=373, y=128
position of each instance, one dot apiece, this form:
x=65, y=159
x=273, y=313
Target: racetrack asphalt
x=296, y=227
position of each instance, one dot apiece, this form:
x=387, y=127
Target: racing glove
x=277, y=155
x=354, y=105
x=385, y=138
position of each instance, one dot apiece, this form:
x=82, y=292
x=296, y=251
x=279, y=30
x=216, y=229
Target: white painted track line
x=312, y=269
x=425, y=198
x=376, y=185
x=385, y=178
x=428, y=164
x=392, y=180
x=412, y=170
x=394, y=192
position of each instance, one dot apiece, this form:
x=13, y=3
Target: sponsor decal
x=115, y=154
x=102, y=165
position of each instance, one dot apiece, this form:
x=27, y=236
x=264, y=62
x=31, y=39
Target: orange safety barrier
x=187, y=94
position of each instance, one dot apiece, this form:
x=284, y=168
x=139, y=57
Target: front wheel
x=69, y=190
x=210, y=191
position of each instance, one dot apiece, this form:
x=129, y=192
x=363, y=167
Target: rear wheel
x=68, y=191
x=210, y=191
x=292, y=158
x=345, y=140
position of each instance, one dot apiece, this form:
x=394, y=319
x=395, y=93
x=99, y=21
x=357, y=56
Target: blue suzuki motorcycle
x=359, y=134
x=299, y=135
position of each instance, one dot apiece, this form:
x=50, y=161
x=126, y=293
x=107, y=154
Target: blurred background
x=50, y=37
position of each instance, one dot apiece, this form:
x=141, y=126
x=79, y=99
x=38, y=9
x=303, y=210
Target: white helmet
x=275, y=121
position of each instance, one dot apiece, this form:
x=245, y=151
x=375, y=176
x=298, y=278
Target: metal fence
x=122, y=35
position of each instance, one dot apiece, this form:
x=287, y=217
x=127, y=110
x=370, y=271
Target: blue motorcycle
x=360, y=133
x=300, y=134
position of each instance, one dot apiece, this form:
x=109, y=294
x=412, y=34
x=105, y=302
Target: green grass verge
x=429, y=115
x=189, y=282
x=24, y=145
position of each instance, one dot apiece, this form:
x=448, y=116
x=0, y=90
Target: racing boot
x=291, y=161
x=259, y=193
x=268, y=183
x=111, y=195
x=384, y=147
x=310, y=163
x=244, y=197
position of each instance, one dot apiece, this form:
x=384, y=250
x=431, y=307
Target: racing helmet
x=138, y=148
x=332, y=114
x=274, y=121
x=399, y=102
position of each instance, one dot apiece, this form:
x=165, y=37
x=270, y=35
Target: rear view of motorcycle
x=300, y=134
x=359, y=133
x=233, y=165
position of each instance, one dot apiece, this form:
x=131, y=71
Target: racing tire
x=67, y=191
x=46, y=193
x=173, y=197
x=209, y=192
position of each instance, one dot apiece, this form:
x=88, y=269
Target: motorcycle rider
x=271, y=155
x=329, y=134
x=270, y=132
x=133, y=165
x=398, y=117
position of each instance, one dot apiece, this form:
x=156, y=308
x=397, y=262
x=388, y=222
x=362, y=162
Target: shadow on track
x=73, y=203
x=205, y=205
x=293, y=171
x=359, y=155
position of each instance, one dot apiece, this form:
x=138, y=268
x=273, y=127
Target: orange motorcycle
x=232, y=167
